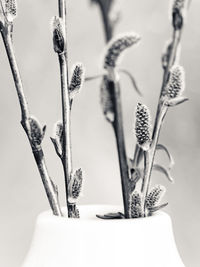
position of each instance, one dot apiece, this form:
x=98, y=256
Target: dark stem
x=50, y=188
x=119, y=134
x=118, y=122
x=67, y=152
x=172, y=57
x=66, y=109
x=108, y=28
x=150, y=155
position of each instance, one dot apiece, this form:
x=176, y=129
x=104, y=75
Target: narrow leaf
x=94, y=77
x=132, y=79
x=163, y=148
x=164, y=171
x=176, y=101
x=57, y=138
x=111, y=216
x=154, y=209
x=57, y=147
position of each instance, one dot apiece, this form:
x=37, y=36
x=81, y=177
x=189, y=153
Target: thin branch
x=67, y=153
x=50, y=188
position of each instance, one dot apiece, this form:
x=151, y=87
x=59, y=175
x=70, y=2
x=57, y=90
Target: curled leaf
x=132, y=79
x=163, y=148
x=164, y=171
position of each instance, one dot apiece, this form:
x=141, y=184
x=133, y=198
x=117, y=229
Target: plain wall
x=22, y=195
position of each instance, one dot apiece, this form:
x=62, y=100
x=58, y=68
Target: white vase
x=92, y=242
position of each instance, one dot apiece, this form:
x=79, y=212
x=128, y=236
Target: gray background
x=21, y=193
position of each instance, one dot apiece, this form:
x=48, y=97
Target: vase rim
x=88, y=213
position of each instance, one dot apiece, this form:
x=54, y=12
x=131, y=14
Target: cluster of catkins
x=171, y=95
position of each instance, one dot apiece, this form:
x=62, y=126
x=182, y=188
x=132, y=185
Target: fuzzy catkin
x=76, y=185
x=11, y=9
x=58, y=35
x=176, y=83
x=135, y=209
x=77, y=78
x=155, y=196
x=116, y=46
x=35, y=131
x=142, y=126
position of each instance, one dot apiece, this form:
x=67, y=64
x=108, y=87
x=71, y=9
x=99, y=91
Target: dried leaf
x=163, y=148
x=164, y=171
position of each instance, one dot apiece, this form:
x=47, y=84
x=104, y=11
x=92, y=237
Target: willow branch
x=50, y=188
x=67, y=153
x=118, y=122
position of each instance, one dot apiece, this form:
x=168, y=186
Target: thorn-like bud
x=36, y=131
x=75, y=185
x=107, y=98
x=178, y=13
x=116, y=46
x=155, y=196
x=142, y=126
x=77, y=79
x=176, y=83
x=58, y=35
x=135, y=209
x=10, y=9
